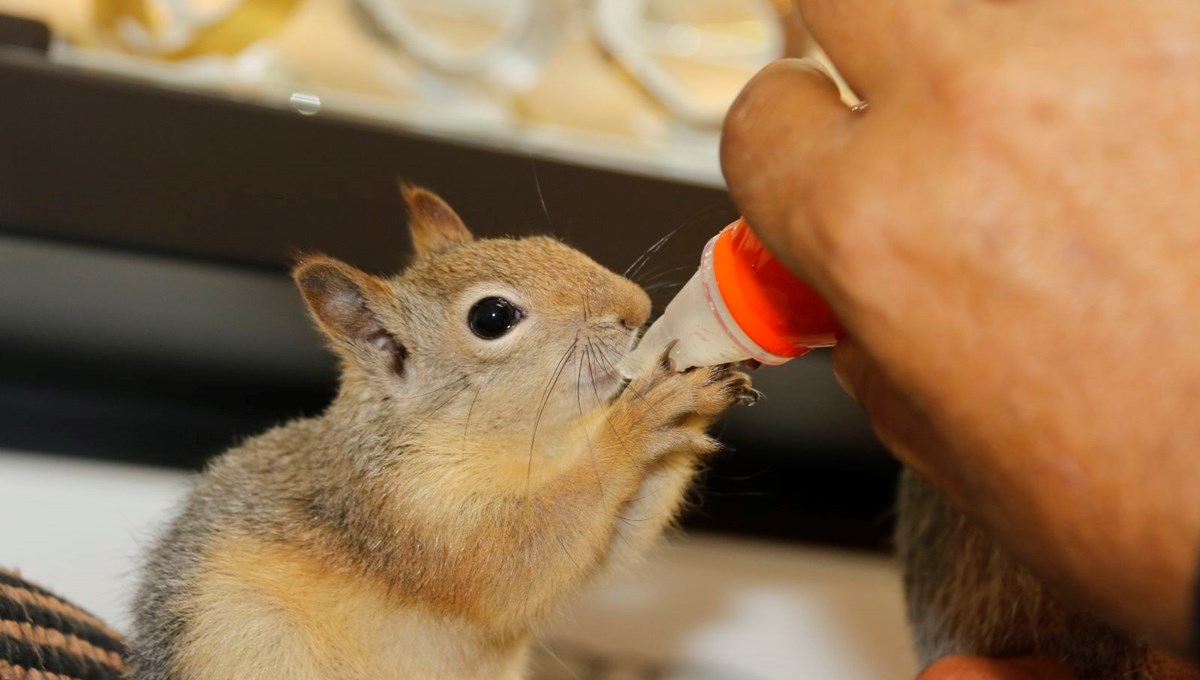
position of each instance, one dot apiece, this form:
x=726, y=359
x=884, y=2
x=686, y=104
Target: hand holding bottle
x=1008, y=235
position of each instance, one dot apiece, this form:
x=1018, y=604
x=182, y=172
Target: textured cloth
x=43, y=637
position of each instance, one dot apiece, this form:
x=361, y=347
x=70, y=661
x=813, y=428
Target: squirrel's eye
x=492, y=317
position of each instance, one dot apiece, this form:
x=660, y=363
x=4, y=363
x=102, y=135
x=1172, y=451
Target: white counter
x=765, y=611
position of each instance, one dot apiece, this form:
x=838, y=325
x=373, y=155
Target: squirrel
x=966, y=595
x=482, y=461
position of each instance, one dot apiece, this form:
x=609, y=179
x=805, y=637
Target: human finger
x=784, y=130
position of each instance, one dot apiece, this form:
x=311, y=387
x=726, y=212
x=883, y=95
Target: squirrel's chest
x=261, y=610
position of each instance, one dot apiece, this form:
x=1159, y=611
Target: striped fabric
x=43, y=637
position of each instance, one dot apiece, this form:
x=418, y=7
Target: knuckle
x=755, y=96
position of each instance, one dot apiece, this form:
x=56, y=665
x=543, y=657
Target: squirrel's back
x=246, y=482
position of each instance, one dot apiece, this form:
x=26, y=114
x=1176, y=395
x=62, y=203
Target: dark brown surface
x=23, y=33
x=121, y=163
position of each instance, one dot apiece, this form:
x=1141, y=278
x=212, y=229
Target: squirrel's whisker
x=691, y=220
x=588, y=437
x=467, y=420
x=607, y=419
x=649, y=252
x=682, y=263
x=537, y=183
x=562, y=363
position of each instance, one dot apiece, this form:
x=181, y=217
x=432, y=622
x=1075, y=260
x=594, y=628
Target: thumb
x=781, y=135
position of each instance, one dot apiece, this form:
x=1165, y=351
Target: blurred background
x=162, y=162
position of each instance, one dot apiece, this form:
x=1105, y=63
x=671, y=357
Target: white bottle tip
x=648, y=350
x=699, y=336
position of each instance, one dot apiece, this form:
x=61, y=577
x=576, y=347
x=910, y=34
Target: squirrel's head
x=477, y=340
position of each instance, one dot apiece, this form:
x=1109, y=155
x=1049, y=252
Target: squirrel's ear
x=343, y=301
x=434, y=224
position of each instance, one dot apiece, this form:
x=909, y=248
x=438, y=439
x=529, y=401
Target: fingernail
x=817, y=68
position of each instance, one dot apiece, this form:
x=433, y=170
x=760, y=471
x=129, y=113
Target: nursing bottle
x=740, y=304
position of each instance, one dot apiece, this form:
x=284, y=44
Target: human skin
x=973, y=668
x=1010, y=234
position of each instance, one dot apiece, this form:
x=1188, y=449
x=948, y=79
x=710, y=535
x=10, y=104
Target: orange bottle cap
x=776, y=310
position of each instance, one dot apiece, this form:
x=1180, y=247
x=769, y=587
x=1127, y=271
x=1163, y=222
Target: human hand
x=1010, y=235
x=976, y=668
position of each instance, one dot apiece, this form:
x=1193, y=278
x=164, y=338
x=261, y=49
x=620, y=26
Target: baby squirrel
x=966, y=595
x=480, y=463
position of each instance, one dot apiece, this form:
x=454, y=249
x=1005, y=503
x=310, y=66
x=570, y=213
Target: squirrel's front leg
x=690, y=403
x=644, y=456
x=614, y=501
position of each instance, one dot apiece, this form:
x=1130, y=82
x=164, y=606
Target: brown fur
x=455, y=492
x=966, y=595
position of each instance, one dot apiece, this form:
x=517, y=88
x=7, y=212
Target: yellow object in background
x=174, y=31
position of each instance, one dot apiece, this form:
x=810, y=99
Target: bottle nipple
x=740, y=304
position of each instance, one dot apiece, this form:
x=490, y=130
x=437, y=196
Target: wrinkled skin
x=1010, y=234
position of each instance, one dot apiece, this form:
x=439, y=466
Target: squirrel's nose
x=636, y=310
x=621, y=300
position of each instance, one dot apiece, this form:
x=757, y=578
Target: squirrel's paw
x=683, y=405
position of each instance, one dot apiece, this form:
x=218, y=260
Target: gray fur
x=240, y=491
x=966, y=595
